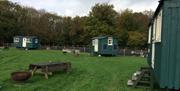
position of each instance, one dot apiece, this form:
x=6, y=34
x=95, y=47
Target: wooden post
x=34, y=70
x=68, y=68
x=152, y=80
x=46, y=72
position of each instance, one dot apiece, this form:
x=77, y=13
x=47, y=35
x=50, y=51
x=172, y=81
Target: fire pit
x=20, y=76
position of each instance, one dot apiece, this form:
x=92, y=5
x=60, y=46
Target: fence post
x=84, y=49
x=124, y=50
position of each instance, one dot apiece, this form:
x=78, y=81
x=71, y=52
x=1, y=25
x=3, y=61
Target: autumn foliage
x=130, y=28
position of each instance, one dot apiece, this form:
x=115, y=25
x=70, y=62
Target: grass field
x=88, y=73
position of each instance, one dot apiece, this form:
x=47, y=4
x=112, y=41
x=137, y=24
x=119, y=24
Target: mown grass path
x=88, y=73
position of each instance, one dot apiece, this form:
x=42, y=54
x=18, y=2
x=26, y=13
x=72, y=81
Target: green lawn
x=88, y=73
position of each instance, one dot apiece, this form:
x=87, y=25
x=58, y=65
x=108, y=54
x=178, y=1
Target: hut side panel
x=29, y=42
x=170, y=66
x=164, y=44
x=106, y=46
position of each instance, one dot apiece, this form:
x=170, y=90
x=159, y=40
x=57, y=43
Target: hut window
x=16, y=39
x=36, y=41
x=28, y=40
x=149, y=38
x=154, y=30
x=158, y=27
x=110, y=41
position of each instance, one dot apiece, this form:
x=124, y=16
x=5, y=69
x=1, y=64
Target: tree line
x=130, y=28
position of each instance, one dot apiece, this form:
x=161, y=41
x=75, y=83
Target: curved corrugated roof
x=157, y=11
x=101, y=37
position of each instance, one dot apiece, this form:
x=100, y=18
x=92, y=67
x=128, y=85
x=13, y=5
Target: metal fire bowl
x=20, y=76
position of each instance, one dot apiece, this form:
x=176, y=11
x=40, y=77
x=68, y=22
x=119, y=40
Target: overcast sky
x=82, y=7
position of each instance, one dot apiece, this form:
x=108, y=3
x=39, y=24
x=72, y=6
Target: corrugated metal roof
x=27, y=36
x=101, y=37
x=158, y=8
x=157, y=11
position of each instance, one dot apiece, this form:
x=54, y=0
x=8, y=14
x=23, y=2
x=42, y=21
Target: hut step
x=141, y=78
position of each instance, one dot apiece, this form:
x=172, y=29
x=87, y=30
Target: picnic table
x=50, y=67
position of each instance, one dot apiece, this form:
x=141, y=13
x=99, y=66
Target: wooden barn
x=164, y=44
x=104, y=45
x=28, y=42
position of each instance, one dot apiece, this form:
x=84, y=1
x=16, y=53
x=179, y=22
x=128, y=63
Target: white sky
x=82, y=7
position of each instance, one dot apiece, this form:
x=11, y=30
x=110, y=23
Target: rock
x=130, y=83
